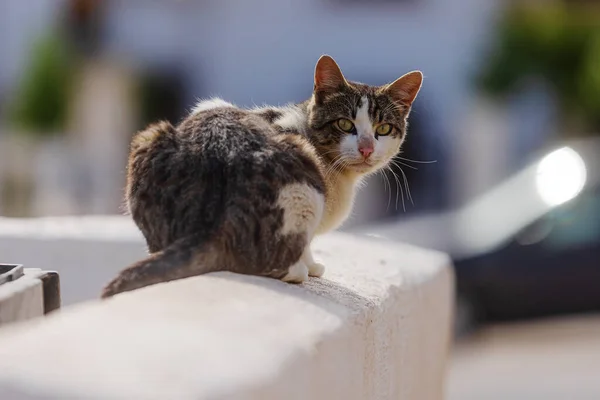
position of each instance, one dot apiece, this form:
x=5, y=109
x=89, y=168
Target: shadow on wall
x=324, y=293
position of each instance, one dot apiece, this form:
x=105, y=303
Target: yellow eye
x=345, y=125
x=384, y=129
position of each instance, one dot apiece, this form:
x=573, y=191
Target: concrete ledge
x=377, y=326
x=21, y=299
x=32, y=294
x=85, y=251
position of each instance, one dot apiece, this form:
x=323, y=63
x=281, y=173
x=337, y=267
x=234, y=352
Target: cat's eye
x=345, y=125
x=384, y=129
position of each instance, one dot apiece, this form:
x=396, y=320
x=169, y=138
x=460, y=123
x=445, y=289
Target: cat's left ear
x=404, y=90
x=328, y=76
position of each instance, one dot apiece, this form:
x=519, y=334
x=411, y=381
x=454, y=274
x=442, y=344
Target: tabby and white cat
x=246, y=191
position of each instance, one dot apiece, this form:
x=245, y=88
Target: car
x=530, y=247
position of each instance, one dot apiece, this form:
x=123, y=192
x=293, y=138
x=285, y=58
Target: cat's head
x=356, y=127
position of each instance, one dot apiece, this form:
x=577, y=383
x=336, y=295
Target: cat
x=245, y=191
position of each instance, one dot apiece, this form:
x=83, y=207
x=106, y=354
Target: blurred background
x=500, y=170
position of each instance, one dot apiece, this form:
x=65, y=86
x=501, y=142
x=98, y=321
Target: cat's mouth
x=362, y=166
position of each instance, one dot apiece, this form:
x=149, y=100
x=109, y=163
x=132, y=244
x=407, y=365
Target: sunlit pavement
x=556, y=359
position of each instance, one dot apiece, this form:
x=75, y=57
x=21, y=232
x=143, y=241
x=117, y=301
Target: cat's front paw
x=316, y=270
x=297, y=273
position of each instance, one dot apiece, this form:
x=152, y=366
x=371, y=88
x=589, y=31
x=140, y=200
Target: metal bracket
x=10, y=272
x=50, y=282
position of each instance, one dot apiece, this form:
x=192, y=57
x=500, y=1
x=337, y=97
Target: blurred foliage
x=41, y=102
x=557, y=43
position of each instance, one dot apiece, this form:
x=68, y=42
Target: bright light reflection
x=560, y=176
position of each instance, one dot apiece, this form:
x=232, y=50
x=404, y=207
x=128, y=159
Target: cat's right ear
x=328, y=76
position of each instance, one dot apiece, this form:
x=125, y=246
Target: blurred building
x=255, y=52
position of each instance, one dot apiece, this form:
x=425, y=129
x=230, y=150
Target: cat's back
x=249, y=147
x=217, y=161
x=229, y=131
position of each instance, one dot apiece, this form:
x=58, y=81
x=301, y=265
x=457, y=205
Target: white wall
x=264, y=51
x=376, y=326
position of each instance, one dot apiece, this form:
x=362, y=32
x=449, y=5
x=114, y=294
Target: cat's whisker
x=335, y=166
x=407, y=186
x=396, y=162
x=386, y=179
x=341, y=165
x=416, y=161
x=331, y=167
x=405, y=181
x=389, y=193
x=398, y=190
x=335, y=159
x=338, y=164
x=329, y=152
x=329, y=172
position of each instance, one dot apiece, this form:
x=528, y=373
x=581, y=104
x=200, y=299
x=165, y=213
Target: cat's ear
x=404, y=90
x=328, y=76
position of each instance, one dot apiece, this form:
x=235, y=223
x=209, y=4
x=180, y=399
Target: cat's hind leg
x=303, y=207
x=297, y=273
x=314, y=268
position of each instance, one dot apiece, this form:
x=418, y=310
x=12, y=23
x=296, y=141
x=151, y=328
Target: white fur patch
x=303, y=208
x=364, y=129
x=209, y=104
x=293, y=119
x=349, y=148
x=314, y=268
x=363, y=123
x=297, y=273
x=384, y=147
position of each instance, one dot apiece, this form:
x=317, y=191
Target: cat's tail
x=184, y=258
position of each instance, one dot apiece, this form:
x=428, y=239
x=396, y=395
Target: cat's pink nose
x=366, y=151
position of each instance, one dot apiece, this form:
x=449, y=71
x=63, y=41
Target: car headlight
x=561, y=176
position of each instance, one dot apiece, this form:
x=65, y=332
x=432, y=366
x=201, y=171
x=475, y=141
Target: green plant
x=41, y=102
x=559, y=44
